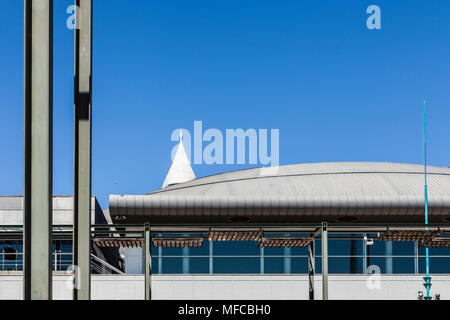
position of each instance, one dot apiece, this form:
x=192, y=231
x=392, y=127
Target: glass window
x=200, y=251
x=345, y=247
x=294, y=251
x=275, y=265
x=199, y=265
x=299, y=265
x=403, y=248
x=172, y=265
x=318, y=265
x=235, y=248
x=435, y=251
x=236, y=265
x=338, y=265
x=396, y=265
x=282, y=266
x=378, y=248
x=437, y=265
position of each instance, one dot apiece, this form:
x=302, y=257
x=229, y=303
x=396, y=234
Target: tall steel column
x=82, y=148
x=311, y=266
x=148, y=262
x=38, y=85
x=324, y=261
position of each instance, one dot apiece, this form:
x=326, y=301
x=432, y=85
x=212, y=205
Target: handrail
x=106, y=264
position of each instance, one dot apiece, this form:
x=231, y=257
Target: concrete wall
x=235, y=287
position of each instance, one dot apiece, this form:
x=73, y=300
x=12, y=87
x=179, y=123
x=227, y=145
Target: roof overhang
x=160, y=208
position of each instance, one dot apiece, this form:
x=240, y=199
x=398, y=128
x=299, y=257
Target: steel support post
x=311, y=266
x=82, y=148
x=324, y=261
x=38, y=98
x=148, y=262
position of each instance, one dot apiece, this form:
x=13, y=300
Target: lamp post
x=427, y=278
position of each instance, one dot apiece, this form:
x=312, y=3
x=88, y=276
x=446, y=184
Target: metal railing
x=13, y=261
x=61, y=261
x=102, y=267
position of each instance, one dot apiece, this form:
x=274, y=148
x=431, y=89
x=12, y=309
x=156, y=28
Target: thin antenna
x=427, y=278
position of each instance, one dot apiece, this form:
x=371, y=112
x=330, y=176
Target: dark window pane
x=403, y=265
x=437, y=265
x=236, y=265
x=435, y=251
x=274, y=265
x=172, y=265
x=155, y=262
x=299, y=265
x=199, y=265
x=338, y=265
x=236, y=248
x=399, y=264
x=405, y=248
x=318, y=247
x=172, y=251
x=378, y=248
x=200, y=251
x=318, y=265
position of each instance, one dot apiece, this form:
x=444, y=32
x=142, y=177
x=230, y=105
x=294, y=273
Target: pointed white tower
x=180, y=171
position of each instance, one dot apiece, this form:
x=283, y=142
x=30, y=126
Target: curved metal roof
x=367, y=191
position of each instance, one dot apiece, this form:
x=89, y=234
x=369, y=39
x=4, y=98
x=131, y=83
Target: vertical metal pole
x=364, y=254
x=427, y=277
x=160, y=254
x=311, y=266
x=148, y=262
x=324, y=261
x=211, y=257
x=416, y=257
x=83, y=147
x=261, y=260
x=353, y=268
x=38, y=98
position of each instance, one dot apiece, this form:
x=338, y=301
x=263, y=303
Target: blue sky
x=336, y=90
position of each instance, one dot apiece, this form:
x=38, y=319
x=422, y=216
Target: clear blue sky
x=336, y=90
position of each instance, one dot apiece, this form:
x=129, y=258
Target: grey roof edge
x=156, y=204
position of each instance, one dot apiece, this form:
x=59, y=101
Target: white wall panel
x=235, y=287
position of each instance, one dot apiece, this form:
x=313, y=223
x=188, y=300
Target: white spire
x=180, y=171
